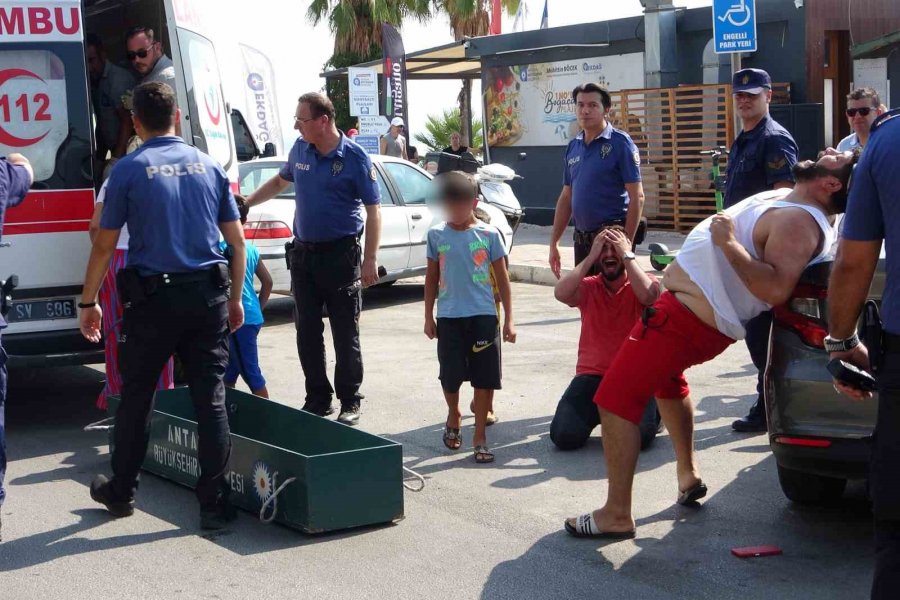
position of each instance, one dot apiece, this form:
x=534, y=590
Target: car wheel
x=809, y=488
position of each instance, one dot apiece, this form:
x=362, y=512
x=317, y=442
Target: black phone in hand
x=852, y=375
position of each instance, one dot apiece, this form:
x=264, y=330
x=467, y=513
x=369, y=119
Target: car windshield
x=253, y=175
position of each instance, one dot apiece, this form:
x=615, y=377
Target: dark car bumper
x=51, y=349
x=843, y=459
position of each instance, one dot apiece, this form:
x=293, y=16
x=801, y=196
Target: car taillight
x=807, y=442
x=803, y=314
x=266, y=230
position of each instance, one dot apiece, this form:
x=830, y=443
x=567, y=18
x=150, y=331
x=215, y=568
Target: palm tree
x=470, y=18
x=356, y=26
x=439, y=128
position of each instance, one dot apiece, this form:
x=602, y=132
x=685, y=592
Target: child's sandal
x=483, y=455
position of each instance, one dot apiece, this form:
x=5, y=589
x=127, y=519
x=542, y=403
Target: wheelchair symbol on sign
x=737, y=15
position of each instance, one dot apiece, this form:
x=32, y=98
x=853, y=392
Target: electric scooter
x=660, y=256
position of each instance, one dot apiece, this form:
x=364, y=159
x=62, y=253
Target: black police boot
x=102, y=491
x=349, y=413
x=320, y=409
x=217, y=516
x=754, y=422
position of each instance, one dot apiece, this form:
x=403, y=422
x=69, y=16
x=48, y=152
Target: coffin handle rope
x=102, y=425
x=273, y=499
x=412, y=487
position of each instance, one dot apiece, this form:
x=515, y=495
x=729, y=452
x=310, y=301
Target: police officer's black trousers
x=190, y=320
x=885, y=479
x=758, y=329
x=328, y=276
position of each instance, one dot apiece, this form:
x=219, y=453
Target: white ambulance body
x=46, y=115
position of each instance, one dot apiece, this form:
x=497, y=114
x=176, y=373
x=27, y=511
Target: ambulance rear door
x=206, y=120
x=45, y=115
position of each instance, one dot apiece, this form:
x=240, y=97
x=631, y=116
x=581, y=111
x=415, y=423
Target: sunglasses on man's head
x=863, y=112
x=142, y=53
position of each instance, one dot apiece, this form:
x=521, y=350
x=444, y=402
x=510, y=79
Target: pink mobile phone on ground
x=754, y=551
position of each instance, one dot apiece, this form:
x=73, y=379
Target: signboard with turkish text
x=376, y=125
x=51, y=21
x=259, y=92
x=531, y=105
x=363, y=83
x=369, y=143
x=33, y=108
x=394, y=63
x=734, y=26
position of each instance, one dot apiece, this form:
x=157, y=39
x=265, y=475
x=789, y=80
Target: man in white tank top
x=733, y=266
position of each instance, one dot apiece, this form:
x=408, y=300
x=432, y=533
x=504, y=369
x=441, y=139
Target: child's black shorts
x=469, y=350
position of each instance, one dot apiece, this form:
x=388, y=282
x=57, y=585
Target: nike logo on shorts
x=479, y=346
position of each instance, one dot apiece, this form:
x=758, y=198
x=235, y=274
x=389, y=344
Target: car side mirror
x=268, y=150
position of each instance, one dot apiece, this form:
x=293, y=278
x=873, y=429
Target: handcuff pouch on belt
x=288, y=251
x=873, y=336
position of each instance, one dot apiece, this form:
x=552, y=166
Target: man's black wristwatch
x=834, y=345
x=87, y=304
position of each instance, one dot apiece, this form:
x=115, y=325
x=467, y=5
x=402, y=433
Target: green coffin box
x=340, y=477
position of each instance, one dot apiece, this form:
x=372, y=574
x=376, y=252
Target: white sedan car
x=405, y=219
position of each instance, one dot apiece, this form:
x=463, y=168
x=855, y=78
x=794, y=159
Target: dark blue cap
x=752, y=81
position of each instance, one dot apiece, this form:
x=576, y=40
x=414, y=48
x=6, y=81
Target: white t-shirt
x=123, y=235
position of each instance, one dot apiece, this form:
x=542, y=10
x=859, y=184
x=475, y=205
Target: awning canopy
x=442, y=62
x=878, y=47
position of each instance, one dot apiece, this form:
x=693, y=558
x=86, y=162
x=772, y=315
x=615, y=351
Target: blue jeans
x=243, y=358
x=2, y=423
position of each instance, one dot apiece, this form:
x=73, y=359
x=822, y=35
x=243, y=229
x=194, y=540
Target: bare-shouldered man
x=732, y=267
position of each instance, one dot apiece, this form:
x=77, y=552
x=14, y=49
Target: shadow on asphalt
x=827, y=552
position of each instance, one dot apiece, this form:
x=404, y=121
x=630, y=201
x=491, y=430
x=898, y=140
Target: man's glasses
x=142, y=53
x=863, y=112
x=302, y=120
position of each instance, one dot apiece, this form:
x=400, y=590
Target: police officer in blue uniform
x=16, y=177
x=873, y=217
x=177, y=295
x=602, y=178
x=761, y=159
x=334, y=183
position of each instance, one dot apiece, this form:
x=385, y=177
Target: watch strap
x=845, y=345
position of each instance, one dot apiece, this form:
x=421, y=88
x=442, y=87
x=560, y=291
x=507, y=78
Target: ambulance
x=46, y=114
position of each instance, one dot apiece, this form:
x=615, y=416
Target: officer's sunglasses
x=142, y=53
x=863, y=112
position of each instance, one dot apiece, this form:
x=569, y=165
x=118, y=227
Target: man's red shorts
x=652, y=360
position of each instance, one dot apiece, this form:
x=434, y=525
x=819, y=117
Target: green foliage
x=439, y=128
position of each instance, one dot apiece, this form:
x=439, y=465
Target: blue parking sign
x=734, y=26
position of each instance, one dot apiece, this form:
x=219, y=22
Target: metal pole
x=735, y=67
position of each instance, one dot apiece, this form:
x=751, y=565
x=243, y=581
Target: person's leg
x=112, y=327
x=884, y=484
x=343, y=297
x=454, y=415
x=203, y=348
x=757, y=340
x=678, y=416
x=452, y=360
x=308, y=305
x=233, y=369
x=244, y=352
x=482, y=400
x=151, y=332
x=886, y=580
x=621, y=446
x=3, y=376
x=576, y=414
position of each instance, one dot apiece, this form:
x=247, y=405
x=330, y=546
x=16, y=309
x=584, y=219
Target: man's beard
x=614, y=275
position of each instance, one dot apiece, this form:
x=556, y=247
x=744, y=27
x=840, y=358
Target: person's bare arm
x=17, y=159
x=233, y=233
x=793, y=238
x=851, y=276
x=268, y=190
x=405, y=154
x=373, y=240
x=382, y=146
x=568, y=288
x=266, y=284
x=94, y=226
x=104, y=245
x=635, y=208
x=432, y=279
x=126, y=130
x=561, y=218
x=501, y=275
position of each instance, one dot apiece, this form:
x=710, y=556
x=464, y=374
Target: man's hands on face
x=618, y=240
x=722, y=230
x=858, y=357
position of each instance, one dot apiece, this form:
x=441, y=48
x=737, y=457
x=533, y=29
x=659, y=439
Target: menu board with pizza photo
x=531, y=105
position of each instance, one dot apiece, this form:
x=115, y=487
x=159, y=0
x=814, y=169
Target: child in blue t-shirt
x=243, y=357
x=462, y=253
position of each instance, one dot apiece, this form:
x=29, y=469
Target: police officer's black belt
x=329, y=246
x=164, y=279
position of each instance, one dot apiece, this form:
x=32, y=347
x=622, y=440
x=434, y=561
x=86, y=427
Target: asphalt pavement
x=476, y=531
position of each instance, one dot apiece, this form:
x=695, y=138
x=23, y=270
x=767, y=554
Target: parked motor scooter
x=495, y=190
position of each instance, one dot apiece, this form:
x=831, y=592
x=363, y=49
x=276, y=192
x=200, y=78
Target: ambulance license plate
x=42, y=310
